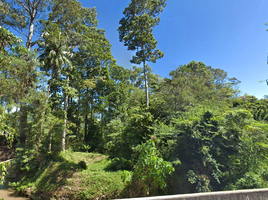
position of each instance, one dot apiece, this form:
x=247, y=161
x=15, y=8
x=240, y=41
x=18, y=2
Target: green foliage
x=77, y=145
x=17, y=75
x=194, y=84
x=63, y=175
x=5, y=126
x=4, y=166
x=199, y=146
x=215, y=141
x=82, y=164
x=28, y=161
x=221, y=150
x=136, y=29
x=249, y=168
x=150, y=172
x=86, y=148
x=165, y=138
x=16, y=13
x=257, y=107
x=202, y=182
x=125, y=144
x=55, y=50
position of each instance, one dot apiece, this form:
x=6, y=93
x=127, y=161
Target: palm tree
x=56, y=52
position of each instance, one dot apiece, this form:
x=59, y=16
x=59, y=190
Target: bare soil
x=10, y=195
x=7, y=152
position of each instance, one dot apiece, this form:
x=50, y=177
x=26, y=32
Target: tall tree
x=93, y=58
x=195, y=83
x=13, y=67
x=80, y=25
x=55, y=53
x=17, y=75
x=23, y=16
x=74, y=19
x=136, y=31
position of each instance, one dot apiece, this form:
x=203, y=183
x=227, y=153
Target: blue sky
x=225, y=34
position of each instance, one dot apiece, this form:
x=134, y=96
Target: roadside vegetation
x=73, y=175
x=86, y=128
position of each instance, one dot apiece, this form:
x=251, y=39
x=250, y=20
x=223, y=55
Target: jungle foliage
x=68, y=93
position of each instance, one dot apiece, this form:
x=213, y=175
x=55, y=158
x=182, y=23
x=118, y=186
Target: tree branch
x=36, y=41
x=20, y=32
x=23, y=5
x=36, y=4
x=27, y=17
x=30, y=6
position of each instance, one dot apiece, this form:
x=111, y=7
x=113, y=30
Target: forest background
x=64, y=90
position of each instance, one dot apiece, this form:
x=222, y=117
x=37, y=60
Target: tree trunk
x=91, y=109
x=146, y=81
x=48, y=89
x=23, y=108
x=146, y=85
x=85, y=135
x=175, y=91
x=65, y=117
x=51, y=80
x=50, y=137
x=78, y=117
x=30, y=35
x=32, y=14
x=101, y=122
x=23, y=123
x=50, y=141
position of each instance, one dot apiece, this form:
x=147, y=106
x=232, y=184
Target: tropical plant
x=150, y=172
x=55, y=51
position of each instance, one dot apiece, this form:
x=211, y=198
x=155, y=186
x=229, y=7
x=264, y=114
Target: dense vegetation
x=65, y=91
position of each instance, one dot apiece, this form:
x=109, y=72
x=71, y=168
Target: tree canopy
x=199, y=134
x=136, y=31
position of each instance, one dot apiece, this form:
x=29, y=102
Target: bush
x=82, y=164
x=125, y=138
x=150, y=172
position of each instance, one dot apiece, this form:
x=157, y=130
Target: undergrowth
x=65, y=177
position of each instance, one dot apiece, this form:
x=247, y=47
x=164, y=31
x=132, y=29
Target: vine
x=4, y=166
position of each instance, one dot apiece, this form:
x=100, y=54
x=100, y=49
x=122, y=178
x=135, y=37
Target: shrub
x=82, y=164
x=150, y=172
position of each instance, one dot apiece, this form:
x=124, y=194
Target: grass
x=64, y=177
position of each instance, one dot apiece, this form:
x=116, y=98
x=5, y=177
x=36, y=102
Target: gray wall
x=255, y=194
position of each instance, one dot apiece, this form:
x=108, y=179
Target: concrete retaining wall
x=255, y=194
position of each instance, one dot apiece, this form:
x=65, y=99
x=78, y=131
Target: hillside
x=64, y=177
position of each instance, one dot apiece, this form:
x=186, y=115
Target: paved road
x=10, y=195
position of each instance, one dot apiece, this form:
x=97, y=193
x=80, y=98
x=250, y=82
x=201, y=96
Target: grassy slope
x=65, y=178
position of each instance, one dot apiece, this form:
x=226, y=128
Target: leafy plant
x=3, y=169
x=150, y=172
x=86, y=148
x=28, y=161
x=9, y=132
